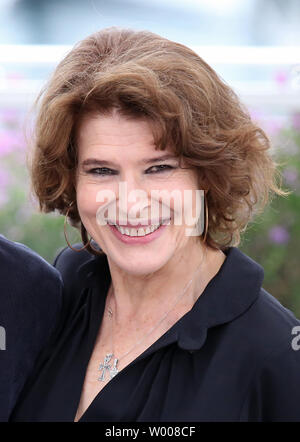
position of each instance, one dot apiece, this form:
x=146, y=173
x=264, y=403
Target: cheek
x=86, y=201
x=185, y=187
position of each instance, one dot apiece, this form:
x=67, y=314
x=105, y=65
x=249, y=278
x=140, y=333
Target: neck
x=138, y=299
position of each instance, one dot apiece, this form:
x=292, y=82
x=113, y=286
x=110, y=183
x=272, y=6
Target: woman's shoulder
x=68, y=261
x=75, y=267
x=271, y=321
x=272, y=310
x=263, y=341
x=266, y=328
x=254, y=314
x=79, y=270
x=273, y=347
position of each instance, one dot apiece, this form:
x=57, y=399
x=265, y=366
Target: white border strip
x=33, y=54
x=52, y=54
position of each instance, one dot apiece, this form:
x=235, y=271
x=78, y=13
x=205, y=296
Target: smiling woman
x=127, y=147
x=189, y=108
x=159, y=322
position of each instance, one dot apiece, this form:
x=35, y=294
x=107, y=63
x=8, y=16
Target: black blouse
x=230, y=358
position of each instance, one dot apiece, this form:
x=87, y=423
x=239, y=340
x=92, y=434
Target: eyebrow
x=103, y=163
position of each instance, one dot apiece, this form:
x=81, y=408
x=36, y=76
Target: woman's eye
x=160, y=168
x=102, y=171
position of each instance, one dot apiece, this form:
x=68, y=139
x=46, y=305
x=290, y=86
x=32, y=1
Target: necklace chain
x=114, y=370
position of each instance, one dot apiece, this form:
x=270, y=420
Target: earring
x=206, y=216
x=86, y=242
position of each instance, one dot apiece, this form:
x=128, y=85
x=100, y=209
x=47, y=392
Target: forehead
x=112, y=126
x=98, y=132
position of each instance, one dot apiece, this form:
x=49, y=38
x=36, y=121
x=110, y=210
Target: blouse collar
x=229, y=294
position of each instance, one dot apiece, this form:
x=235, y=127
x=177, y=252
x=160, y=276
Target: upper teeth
x=137, y=232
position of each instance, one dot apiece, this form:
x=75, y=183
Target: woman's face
x=114, y=151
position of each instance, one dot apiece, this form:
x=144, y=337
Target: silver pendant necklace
x=105, y=366
x=112, y=369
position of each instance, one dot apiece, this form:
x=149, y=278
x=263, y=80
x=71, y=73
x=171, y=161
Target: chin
x=140, y=270
x=141, y=263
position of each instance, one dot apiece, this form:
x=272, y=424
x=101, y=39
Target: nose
x=132, y=181
x=134, y=197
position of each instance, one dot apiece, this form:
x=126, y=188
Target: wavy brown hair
x=144, y=75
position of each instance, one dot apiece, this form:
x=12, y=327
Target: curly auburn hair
x=145, y=75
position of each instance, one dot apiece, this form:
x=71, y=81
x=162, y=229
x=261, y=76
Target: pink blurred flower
x=9, y=142
x=296, y=121
x=256, y=115
x=281, y=77
x=290, y=175
x=15, y=76
x=271, y=124
x=9, y=115
x=273, y=127
x=279, y=235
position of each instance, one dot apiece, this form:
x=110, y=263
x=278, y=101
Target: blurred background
x=254, y=46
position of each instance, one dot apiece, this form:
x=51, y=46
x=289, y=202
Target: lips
x=136, y=238
x=141, y=224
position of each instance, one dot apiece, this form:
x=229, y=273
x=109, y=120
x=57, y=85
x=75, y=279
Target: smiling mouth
x=139, y=231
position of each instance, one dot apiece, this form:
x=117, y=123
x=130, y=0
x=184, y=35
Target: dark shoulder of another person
x=31, y=288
